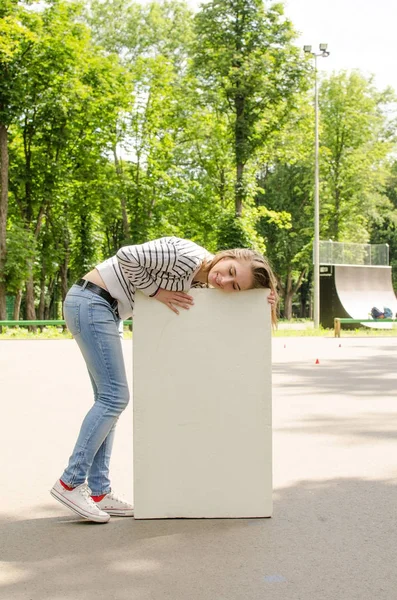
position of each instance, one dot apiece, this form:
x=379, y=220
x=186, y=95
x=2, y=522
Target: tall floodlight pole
x=316, y=245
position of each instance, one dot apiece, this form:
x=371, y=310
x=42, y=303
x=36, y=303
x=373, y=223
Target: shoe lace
x=86, y=493
x=112, y=496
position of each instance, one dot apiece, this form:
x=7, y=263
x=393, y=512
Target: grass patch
x=23, y=333
x=57, y=333
x=321, y=332
x=308, y=332
x=48, y=333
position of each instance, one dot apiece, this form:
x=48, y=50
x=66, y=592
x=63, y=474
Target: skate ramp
x=359, y=288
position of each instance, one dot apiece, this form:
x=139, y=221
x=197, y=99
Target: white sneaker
x=115, y=507
x=79, y=500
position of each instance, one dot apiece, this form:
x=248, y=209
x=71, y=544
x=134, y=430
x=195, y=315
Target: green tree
x=17, y=36
x=153, y=41
x=245, y=59
x=72, y=94
x=285, y=181
x=357, y=135
x=384, y=220
x=288, y=188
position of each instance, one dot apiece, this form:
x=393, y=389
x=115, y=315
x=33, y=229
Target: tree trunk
x=30, y=309
x=64, y=283
x=239, y=133
x=239, y=190
x=288, y=306
x=49, y=312
x=120, y=174
x=17, y=306
x=135, y=217
x=289, y=292
x=305, y=297
x=3, y=215
x=151, y=208
x=222, y=187
x=63, y=272
x=3, y=305
x=335, y=232
x=41, y=309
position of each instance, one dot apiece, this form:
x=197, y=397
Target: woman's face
x=231, y=275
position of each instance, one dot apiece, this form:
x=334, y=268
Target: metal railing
x=344, y=253
x=42, y=323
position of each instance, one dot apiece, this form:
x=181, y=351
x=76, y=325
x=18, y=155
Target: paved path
x=333, y=533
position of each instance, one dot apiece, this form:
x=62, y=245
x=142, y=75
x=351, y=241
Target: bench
x=338, y=322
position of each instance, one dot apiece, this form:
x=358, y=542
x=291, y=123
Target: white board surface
x=202, y=407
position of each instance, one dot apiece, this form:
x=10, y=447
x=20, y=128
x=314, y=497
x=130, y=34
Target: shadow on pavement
x=365, y=427
x=362, y=378
x=327, y=539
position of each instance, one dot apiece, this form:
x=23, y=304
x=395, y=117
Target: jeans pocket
x=71, y=312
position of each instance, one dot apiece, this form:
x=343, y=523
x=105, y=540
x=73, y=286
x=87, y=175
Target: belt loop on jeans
x=84, y=284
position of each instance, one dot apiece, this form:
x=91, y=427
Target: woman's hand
x=271, y=298
x=179, y=299
x=174, y=300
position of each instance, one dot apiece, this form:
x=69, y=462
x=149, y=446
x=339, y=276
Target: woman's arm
x=168, y=255
x=138, y=262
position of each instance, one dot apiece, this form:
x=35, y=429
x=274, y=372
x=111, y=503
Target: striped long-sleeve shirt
x=169, y=263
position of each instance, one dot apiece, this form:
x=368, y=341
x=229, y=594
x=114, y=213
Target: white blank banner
x=202, y=407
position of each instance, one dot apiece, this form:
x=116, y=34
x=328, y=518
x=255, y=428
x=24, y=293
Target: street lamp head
x=323, y=47
x=307, y=49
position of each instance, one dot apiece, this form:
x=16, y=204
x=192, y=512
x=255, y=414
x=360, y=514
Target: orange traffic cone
x=317, y=362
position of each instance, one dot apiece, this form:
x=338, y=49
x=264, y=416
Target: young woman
x=164, y=269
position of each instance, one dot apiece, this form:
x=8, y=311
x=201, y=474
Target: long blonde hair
x=263, y=276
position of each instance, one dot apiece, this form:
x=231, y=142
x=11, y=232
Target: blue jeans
x=95, y=327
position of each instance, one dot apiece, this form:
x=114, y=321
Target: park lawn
x=48, y=333
x=54, y=333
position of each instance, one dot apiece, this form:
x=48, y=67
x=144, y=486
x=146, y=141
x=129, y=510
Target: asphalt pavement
x=333, y=532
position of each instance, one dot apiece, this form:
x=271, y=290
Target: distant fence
x=341, y=253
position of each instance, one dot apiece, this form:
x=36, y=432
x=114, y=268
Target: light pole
x=316, y=246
